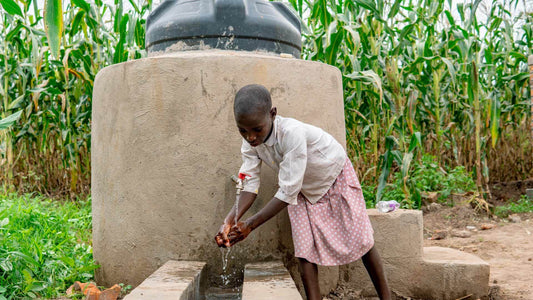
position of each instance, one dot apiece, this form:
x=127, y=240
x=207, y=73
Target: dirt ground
x=507, y=245
x=503, y=192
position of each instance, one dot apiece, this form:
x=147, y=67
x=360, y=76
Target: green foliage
x=45, y=246
x=427, y=177
x=8, y=121
x=432, y=69
x=419, y=77
x=53, y=23
x=369, y=195
x=124, y=289
x=49, y=58
x=524, y=204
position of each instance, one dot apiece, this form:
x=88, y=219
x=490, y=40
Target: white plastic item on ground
x=387, y=206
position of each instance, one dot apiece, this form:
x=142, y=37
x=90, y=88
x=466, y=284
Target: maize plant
x=49, y=57
x=441, y=78
x=451, y=75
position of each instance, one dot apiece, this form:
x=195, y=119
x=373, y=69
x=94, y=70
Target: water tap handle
x=240, y=181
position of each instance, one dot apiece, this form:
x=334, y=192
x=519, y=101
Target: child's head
x=254, y=113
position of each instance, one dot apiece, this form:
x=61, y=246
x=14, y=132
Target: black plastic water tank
x=250, y=25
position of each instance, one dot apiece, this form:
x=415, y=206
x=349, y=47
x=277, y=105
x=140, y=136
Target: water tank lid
x=223, y=24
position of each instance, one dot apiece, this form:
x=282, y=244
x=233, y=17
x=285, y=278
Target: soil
x=506, y=246
x=503, y=192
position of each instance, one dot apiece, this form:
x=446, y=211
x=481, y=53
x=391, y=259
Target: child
x=316, y=181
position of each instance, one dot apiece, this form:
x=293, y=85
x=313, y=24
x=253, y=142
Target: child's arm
x=242, y=229
x=251, y=166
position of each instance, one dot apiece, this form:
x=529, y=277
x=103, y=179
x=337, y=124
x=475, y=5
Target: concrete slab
x=451, y=274
x=172, y=281
x=267, y=281
x=397, y=234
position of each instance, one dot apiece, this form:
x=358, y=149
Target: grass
x=45, y=245
x=523, y=205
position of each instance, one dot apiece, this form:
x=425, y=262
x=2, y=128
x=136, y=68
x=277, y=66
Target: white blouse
x=307, y=159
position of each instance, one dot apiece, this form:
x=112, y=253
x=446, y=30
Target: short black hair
x=252, y=99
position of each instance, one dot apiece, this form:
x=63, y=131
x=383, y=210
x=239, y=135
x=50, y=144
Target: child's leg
x=374, y=267
x=309, y=272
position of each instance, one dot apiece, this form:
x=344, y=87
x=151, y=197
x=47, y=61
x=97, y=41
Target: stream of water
x=225, y=292
x=225, y=255
x=237, y=208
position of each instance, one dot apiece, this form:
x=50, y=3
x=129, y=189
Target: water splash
x=225, y=255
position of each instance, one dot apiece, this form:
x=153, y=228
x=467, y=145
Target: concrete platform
x=267, y=281
x=416, y=271
x=172, y=281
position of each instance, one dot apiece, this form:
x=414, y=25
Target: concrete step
x=413, y=270
x=172, y=281
x=454, y=274
x=267, y=281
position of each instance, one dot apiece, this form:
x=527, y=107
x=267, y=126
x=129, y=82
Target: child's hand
x=222, y=236
x=239, y=232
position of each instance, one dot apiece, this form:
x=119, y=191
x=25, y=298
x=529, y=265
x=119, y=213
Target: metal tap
x=239, y=181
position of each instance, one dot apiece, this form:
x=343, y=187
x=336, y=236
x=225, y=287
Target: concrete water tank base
x=165, y=143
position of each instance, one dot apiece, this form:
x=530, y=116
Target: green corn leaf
x=14, y=32
x=131, y=30
x=451, y=68
x=123, y=26
x=367, y=77
x=416, y=141
x=139, y=33
x=82, y=4
x=495, y=114
x=10, y=120
x=118, y=17
x=385, y=171
x=354, y=35
x=386, y=164
x=449, y=17
x=53, y=24
x=406, y=163
x=368, y=4
x=76, y=22
x=473, y=10
x=332, y=29
x=518, y=77
x=518, y=55
x=135, y=7
x=15, y=103
x=394, y=9
x=11, y=7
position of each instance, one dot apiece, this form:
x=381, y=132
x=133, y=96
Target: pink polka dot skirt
x=336, y=230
